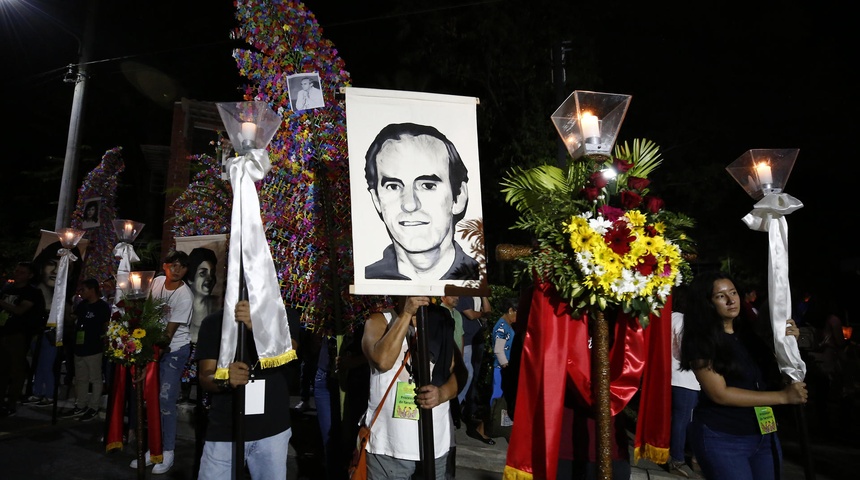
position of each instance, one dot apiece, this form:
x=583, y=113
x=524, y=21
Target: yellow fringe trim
x=282, y=359
x=279, y=360
x=59, y=343
x=649, y=452
x=157, y=458
x=113, y=446
x=512, y=473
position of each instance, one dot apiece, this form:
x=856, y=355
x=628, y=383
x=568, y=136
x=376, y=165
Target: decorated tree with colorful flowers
x=305, y=197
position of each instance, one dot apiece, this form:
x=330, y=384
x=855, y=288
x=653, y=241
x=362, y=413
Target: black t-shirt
x=90, y=326
x=31, y=321
x=276, y=418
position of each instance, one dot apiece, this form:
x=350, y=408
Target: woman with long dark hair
x=734, y=430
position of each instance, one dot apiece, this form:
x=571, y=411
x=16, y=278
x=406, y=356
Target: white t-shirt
x=397, y=437
x=179, y=301
x=686, y=379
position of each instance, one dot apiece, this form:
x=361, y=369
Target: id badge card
x=766, y=420
x=404, y=402
x=255, y=397
x=79, y=338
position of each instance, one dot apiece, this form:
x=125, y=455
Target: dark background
x=708, y=82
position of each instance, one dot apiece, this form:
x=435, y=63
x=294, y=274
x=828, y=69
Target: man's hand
x=414, y=303
x=242, y=312
x=239, y=374
x=428, y=396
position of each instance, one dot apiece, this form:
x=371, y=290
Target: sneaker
x=681, y=469
x=75, y=412
x=45, y=402
x=90, y=414
x=165, y=464
x=303, y=406
x=31, y=399
x=146, y=459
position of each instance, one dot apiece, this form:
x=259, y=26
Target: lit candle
x=764, y=173
x=249, y=131
x=590, y=126
x=127, y=230
x=68, y=237
x=134, y=278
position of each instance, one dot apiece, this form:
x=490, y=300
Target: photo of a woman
x=91, y=213
x=202, y=279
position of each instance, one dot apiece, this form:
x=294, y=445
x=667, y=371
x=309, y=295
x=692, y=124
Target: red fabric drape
x=116, y=408
x=553, y=336
x=654, y=423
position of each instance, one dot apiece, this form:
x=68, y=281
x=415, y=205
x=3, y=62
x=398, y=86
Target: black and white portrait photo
x=414, y=186
x=90, y=217
x=305, y=91
x=205, y=275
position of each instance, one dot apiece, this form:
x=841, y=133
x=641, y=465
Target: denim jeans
x=384, y=466
x=43, y=380
x=266, y=458
x=684, y=401
x=467, y=359
x=327, y=400
x=170, y=374
x=736, y=457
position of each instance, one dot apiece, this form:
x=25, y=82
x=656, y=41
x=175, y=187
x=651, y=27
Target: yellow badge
x=404, y=405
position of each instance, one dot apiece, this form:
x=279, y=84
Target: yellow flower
x=637, y=219
x=138, y=333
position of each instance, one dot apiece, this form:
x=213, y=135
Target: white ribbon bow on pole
x=768, y=215
x=58, y=302
x=248, y=242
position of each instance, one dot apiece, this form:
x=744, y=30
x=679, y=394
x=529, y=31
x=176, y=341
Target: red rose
x=654, y=204
x=637, y=183
x=630, y=199
x=621, y=166
x=591, y=193
x=598, y=180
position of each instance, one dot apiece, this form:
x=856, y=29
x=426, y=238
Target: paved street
x=32, y=448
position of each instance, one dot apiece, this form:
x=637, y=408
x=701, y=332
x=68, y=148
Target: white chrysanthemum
x=600, y=225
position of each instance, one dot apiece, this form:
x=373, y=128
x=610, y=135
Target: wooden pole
x=600, y=386
x=425, y=417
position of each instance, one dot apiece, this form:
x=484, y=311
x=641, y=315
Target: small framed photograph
x=305, y=91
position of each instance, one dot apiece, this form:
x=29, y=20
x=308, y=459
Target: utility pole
x=70, y=165
x=559, y=78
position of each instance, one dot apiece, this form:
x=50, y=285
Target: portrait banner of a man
x=416, y=192
x=206, y=275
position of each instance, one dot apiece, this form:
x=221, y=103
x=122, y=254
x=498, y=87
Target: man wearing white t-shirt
x=173, y=290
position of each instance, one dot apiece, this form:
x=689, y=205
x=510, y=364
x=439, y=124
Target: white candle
x=764, y=173
x=134, y=278
x=127, y=230
x=590, y=126
x=68, y=237
x=249, y=131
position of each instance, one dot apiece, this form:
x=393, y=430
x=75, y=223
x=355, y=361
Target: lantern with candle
x=763, y=171
x=250, y=125
x=588, y=122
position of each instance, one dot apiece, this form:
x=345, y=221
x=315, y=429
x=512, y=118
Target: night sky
x=707, y=85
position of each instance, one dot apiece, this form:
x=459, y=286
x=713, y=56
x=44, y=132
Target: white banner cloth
x=768, y=215
x=248, y=243
x=58, y=303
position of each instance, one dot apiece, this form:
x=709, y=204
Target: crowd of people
x=727, y=392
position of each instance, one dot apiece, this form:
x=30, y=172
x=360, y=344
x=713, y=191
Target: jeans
x=384, y=466
x=266, y=458
x=170, y=374
x=43, y=380
x=684, y=401
x=736, y=457
x=467, y=359
x=327, y=400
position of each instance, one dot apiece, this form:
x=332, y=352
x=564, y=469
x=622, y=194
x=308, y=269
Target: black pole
x=803, y=431
x=58, y=361
x=425, y=417
x=239, y=392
